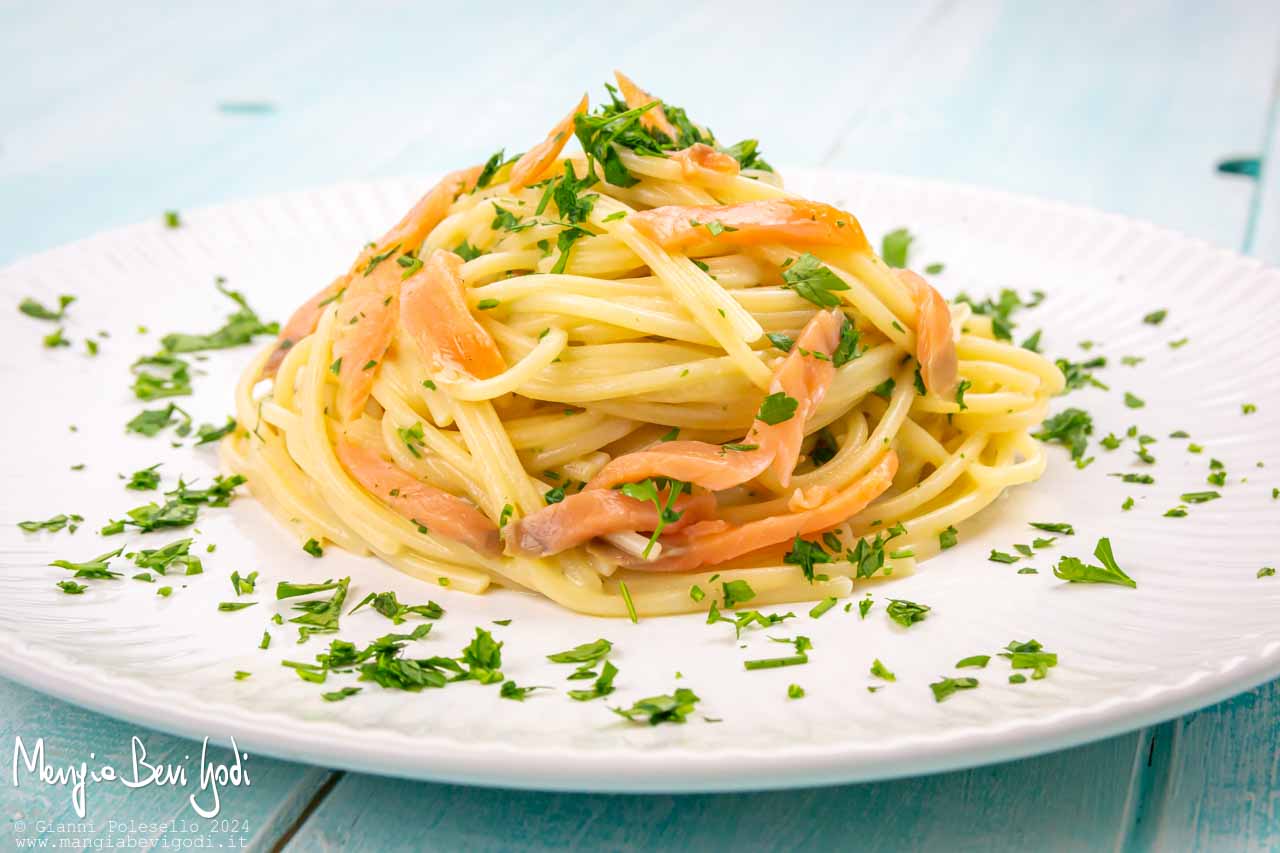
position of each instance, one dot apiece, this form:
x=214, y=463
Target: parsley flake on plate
x=879, y=670
x=907, y=613
x=1074, y=570
x=673, y=708
x=52, y=525
x=946, y=687
x=1070, y=427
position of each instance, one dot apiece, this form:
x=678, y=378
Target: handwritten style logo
x=206, y=801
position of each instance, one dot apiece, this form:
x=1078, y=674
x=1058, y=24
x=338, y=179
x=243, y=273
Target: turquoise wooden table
x=111, y=117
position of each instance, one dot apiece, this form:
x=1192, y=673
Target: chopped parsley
x=812, y=280
x=1002, y=557
x=389, y=606
x=879, y=670
x=588, y=653
x=318, y=616
x=1054, y=527
x=1073, y=570
x=161, y=375
x=736, y=592
x=1070, y=427
x=894, y=247
x=312, y=547
x=510, y=690
x=208, y=433
x=674, y=708
x=775, y=663
x=847, y=349
x=69, y=521
x=1133, y=402
x=626, y=600
x=1155, y=318
x=1030, y=655
x=466, y=251
x=232, y=606
x=647, y=490
x=945, y=687
x=906, y=613
x=150, y=422
x=822, y=607
x=805, y=554
x=244, y=585
x=32, y=308
x=948, y=538
x=144, y=480
x=777, y=407
x=176, y=554
x=602, y=686
x=1078, y=374
x=977, y=661
x=97, y=568
x=1199, y=497
x=1001, y=310
x=240, y=328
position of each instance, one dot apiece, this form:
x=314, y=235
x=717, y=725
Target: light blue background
x=112, y=115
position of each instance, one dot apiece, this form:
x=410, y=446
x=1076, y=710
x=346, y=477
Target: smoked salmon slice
x=441, y=513
x=711, y=542
x=935, y=347
x=653, y=119
x=302, y=323
x=700, y=163
x=535, y=162
x=434, y=313
x=750, y=223
x=708, y=465
x=804, y=376
x=410, y=232
x=363, y=328
x=407, y=236
x=586, y=515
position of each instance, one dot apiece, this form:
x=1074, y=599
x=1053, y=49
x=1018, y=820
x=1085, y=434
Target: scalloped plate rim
x=442, y=759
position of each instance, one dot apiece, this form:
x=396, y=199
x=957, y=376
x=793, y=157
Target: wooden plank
x=264, y=809
x=1219, y=786
x=1003, y=807
x=1220, y=789
x=1264, y=236
x=112, y=131
x=1122, y=106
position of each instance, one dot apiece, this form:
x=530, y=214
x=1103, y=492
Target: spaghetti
x=619, y=377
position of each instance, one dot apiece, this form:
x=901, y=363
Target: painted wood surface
x=1128, y=107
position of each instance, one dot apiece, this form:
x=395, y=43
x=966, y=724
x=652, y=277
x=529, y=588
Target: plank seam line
x=1264, y=166
x=303, y=816
x=1149, y=785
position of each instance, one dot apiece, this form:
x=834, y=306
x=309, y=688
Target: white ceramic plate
x=1201, y=625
